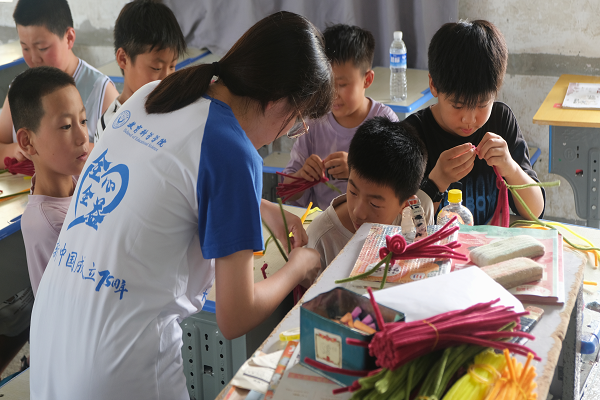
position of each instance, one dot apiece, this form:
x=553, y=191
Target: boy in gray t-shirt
x=324, y=149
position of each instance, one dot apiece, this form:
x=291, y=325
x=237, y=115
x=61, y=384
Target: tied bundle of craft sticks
x=13, y=166
x=420, y=359
x=288, y=190
x=397, y=249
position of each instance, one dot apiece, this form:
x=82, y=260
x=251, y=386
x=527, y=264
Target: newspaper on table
x=582, y=95
x=401, y=271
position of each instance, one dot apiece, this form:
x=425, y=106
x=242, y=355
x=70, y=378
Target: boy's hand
x=310, y=261
x=313, y=168
x=453, y=165
x=337, y=165
x=494, y=150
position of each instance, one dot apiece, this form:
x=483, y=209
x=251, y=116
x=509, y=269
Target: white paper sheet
x=455, y=291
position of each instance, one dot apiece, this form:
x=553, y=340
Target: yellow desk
x=574, y=146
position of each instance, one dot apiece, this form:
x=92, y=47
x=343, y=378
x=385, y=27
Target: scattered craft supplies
x=408, y=360
x=408, y=262
x=550, y=289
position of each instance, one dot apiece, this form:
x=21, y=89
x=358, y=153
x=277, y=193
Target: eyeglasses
x=299, y=129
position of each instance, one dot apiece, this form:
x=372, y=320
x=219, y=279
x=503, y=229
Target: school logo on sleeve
x=100, y=190
x=121, y=119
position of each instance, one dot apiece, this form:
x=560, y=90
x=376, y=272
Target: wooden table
x=574, y=146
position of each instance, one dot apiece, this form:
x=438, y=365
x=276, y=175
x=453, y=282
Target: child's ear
x=122, y=58
x=25, y=141
x=369, y=77
x=432, y=87
x=70, y=36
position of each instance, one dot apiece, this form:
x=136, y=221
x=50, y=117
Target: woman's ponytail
x=281, y=57
x=180, y=89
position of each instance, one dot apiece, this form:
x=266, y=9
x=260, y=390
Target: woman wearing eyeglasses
x=169, y=203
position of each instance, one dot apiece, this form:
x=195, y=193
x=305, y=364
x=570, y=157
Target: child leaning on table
x=324, y=149
x=51, y=125
x=386, y=162
x=148, y=42
x=467, y=63
x=46, y=34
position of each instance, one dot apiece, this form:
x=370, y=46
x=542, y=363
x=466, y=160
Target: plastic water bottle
x=464, y=216
x=398, y=91
x=407, y=225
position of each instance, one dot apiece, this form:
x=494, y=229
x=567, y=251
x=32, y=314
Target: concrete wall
x=94, y=21
x=546, y=38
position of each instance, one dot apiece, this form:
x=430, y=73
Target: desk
x=574, y=146
x=552, y=333
x=418, y=97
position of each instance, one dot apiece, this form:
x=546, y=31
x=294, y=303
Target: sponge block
x=515, y=272
x=506, y=249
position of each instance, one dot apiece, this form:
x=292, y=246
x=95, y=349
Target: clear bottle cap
x=398, y=35
x=455, y=196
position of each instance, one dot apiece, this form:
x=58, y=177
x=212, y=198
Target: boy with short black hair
x=50, y=120
x=386, y=162
x=46, y=33
x=148, y=42
x=467, y=63
x=324, y=149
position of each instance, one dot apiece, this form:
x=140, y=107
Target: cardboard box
x=324, y=340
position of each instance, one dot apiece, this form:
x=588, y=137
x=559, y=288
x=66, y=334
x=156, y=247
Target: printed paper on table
x=582, y=95
x=401, y=271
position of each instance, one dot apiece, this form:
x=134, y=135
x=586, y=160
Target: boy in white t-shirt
x=148, y=42
x=51, y=125
x=386, y=161
x=324, y=149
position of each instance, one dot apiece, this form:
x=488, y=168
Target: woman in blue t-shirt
x=168, y=203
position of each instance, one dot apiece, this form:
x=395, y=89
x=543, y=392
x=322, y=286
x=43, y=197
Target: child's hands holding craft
x=453, y=165
x=494, y=150
x=337, y=165
x=313, y=169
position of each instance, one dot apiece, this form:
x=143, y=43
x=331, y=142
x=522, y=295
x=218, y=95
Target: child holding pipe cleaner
x=321, y=154
x=467, y=63
x=386, y=161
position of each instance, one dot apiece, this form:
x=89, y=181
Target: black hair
x=26, y=92
x=146, y=25
x=54, y=15
x=389, y=154
x=345, y=43
x=467, y=61
x=280, y=57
